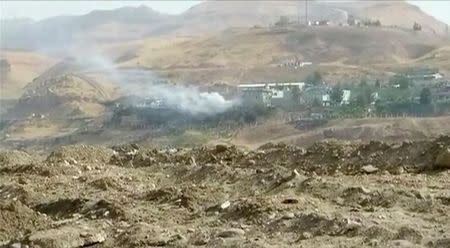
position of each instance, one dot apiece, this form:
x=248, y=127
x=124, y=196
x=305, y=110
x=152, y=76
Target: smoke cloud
x=146, y=84
x=191, y=100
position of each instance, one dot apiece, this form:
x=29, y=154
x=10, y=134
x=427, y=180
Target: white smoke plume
x=187, y=99
x=145, y=83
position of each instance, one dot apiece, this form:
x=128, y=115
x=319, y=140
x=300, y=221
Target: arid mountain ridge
x=133, y=23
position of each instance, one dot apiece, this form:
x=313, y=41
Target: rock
x=288, y=216
x=232, y=232
x=221, y=148
x=350, y=225
x=306, y=235
x=225, y=205
x=251, y=162
x=15, y=245
x=374, y=243
x=398, y=170
x=369, y=169
x=443, y=160
x=67, y=237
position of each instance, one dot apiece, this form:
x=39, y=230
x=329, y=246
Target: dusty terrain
x=328, y=195
x=240, y=55
x=133, y=23
x=25, y=66
x=360, y=130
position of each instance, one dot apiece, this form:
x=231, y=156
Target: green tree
x=402, y=80
x=295, y=95
x=314, y=78
x=364, y=97
x=404, y=83
x=363, y=83
x=316, y=102
x=425, y=96
x=378, y=84
x=336, y=94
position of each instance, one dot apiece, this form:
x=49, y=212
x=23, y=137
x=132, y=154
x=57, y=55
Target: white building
x=277, y=89
x=279, y=92
x=346, y=94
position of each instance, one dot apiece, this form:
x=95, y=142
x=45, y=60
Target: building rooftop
x=260, y=85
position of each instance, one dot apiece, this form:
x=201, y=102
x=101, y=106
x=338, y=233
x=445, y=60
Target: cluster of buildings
x=288, y=94
x=295, y=63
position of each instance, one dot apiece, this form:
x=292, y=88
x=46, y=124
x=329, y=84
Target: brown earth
x=239, y=55
x=355, y=130
x=25, y=66
x=328, y=195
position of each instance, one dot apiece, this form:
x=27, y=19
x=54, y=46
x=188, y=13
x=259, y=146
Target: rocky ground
x=328, y=195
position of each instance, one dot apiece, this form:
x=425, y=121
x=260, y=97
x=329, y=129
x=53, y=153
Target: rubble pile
x=327, y=195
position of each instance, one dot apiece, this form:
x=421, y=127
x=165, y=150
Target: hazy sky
x=41, y=9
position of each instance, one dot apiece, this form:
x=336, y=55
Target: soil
x=327, y=195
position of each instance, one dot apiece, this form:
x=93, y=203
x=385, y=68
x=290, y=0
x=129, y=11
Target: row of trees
x=363, y=93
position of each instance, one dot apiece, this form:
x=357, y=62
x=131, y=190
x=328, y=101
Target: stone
x=15, y=245
x=306, y=235
x=288, y=216
x=221, y=148
x=232, y=232
x=67, y=237
x=369, y=169
x=225, y=205
x=374, y=243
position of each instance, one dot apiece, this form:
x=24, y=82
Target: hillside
x=134, y=23
x=254, y=54
x=64, y=96
x=392, y=13
x=24, y=67
x=250, y=13
x=97, y=27
x=360, y=130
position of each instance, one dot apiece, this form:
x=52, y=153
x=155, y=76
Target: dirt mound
x=62, y=96
x=320, y=158
x=106, y=183
x=80, y=153
x=328, y=195
x=16, y=220
x=15, y=158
